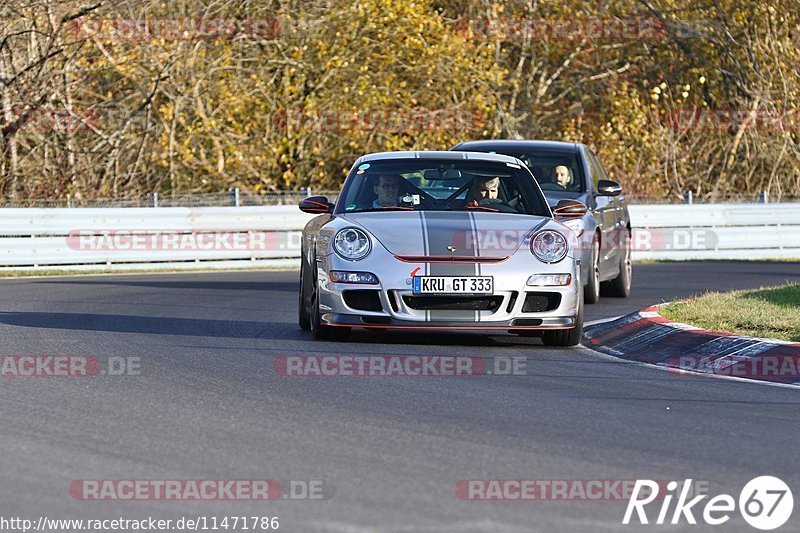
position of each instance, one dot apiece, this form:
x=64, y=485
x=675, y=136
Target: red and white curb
x=648, y=337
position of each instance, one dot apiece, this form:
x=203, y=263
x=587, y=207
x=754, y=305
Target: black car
x=571, y=171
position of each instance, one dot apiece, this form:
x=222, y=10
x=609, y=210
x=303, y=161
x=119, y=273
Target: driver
x=386, y=190
x=483, y=188
x=563, y=176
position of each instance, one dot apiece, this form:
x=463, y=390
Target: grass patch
x=771, y=312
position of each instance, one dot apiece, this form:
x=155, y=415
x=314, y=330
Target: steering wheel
x=550, y=186
x=496, y=203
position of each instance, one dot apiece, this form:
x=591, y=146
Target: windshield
x=555, y=171
x=441, y=185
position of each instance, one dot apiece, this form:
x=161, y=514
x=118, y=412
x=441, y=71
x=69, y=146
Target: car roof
x=516, y=144
x=479, y=156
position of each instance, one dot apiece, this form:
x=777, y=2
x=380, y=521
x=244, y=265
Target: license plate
x=453, y=285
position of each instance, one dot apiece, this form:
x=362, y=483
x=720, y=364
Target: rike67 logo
x=766, y=503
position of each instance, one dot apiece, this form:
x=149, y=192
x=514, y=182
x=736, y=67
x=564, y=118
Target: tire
x=319, y=330
x=620, y=287
x=591, y=291
x=303, y=319
x=566, y=337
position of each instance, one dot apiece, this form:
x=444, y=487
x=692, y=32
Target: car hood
x=448, y=233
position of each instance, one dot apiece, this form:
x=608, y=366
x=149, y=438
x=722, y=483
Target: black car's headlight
x=352, y=244
x=549, y=246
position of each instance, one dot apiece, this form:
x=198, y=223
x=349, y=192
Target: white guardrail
x=230, y=237
x=716, y=231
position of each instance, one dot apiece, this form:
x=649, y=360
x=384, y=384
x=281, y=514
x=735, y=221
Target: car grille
x=540, y=302
x=453, y=303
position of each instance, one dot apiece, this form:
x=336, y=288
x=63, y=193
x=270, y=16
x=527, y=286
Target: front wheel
x=303, y=320
x=566, y=337
x=319, y=330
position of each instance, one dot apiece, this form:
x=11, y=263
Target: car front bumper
x=392, y=304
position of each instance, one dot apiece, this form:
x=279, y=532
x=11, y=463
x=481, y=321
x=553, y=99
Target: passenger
x=483, y=188
x=386, y=190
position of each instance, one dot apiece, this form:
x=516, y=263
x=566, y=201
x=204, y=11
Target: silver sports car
x=440, y=240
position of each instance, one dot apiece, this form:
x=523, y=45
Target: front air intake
x=363, y=300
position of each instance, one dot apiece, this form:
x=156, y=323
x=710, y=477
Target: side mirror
x=570, y=209
x=608, y=188
x=316, y=205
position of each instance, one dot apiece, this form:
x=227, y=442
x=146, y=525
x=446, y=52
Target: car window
x=597, y=170
x=601, y=169
x=554, y=171
x=441, y=185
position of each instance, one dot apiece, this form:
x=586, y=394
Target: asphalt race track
x=208, y=404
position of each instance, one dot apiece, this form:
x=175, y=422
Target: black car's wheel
x=319, y=330
x=566, y=337
x=303, y=319
x=620, y=287
x=591, y=291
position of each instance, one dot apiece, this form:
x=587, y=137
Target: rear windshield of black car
x=441, y=185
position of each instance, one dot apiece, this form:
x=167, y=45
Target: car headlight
x=342, y=276
x=352, y=244
x=549, y=246
x=575, y=224
x=549, y=280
